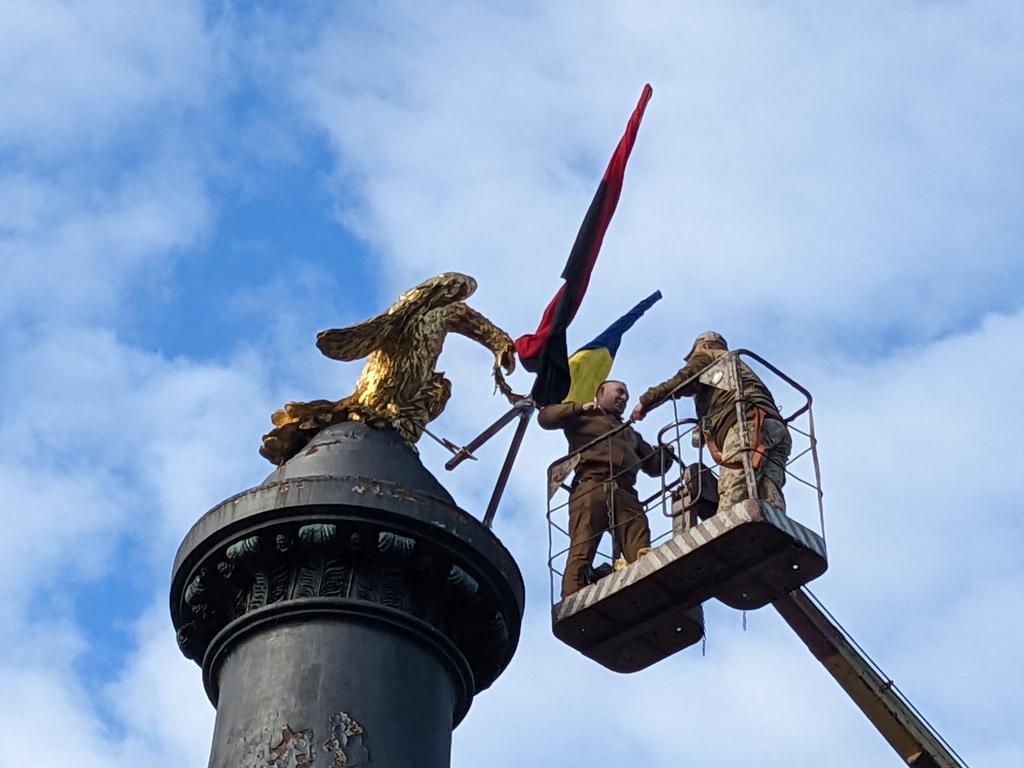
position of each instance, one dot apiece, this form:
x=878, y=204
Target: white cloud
x=71, y=245
x=152, y=715
x=47, y=704
x=113, y=454
x=103, y=179
x=923, y=569
x=80, y=76
x=836, y=164
x=166, y=717
x=857, y=169
x=111, y=450
x=835, y=157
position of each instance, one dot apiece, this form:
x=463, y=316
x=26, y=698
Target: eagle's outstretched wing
x=356, y=341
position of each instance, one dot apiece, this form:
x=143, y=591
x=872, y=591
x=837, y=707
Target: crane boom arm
x=882, y=703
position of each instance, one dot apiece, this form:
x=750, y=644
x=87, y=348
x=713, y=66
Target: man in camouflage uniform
x=604, y=486
x=769, y=438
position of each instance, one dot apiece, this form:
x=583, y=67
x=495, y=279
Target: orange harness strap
x=755, y=418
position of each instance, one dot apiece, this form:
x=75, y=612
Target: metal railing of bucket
x=682, y=437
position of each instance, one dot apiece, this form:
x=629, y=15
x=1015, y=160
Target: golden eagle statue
x=398, y=386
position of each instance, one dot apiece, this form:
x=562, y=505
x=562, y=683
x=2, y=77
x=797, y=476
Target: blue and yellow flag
x=591, y=364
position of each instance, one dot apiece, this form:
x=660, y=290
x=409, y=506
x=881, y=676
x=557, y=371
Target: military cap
x=713, y=336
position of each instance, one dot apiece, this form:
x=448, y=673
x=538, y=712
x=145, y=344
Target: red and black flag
x=545, y=351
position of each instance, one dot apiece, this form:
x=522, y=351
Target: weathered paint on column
x=344, y=612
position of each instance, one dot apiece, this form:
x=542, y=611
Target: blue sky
x=190, y=191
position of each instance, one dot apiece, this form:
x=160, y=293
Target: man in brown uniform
x=604, y=486
x=769, y=436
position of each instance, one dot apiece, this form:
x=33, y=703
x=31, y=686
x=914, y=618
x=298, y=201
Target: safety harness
x=755, y=419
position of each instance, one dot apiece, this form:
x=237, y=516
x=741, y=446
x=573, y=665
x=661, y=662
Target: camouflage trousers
x=770, y=473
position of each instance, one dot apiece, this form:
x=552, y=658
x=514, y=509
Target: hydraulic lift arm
x=884, y=705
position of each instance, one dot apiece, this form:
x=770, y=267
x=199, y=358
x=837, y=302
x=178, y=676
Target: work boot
x=619, y=563
x=642, y=551
x=604, y=569
x=589, y=577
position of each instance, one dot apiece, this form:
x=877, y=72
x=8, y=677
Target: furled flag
x=545, y=351
x=591, y=363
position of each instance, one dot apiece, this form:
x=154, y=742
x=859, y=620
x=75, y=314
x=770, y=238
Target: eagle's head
x=439, y=291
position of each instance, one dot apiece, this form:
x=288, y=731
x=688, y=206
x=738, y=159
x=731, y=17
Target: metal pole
x=506, y=468
x=524, y=405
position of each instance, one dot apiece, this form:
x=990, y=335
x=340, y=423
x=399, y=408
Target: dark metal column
x=346, y=611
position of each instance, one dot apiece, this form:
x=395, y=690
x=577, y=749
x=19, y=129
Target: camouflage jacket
x=718, y=406
x=620, y=455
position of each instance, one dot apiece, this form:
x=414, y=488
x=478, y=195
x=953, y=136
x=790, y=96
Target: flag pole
x=506, y=468
x=525, y=405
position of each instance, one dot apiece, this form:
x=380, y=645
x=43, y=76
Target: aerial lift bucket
x=626, y=622
x=746, y=556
